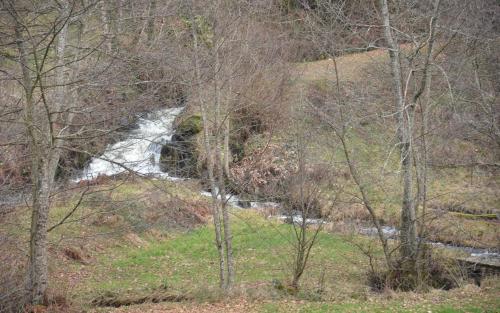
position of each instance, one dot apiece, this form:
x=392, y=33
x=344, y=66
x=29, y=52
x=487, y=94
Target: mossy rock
x=180, y=157
x=189, y=126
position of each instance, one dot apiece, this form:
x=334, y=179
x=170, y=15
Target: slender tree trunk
x=210, y=161
x=227, y=150
x=218, y=145
x=425, y=89
x=227, y=127
x=113, y=24
x=408, y=231
x=151, y=21
x=105, y=20
x=301, y=233
x=119, y=15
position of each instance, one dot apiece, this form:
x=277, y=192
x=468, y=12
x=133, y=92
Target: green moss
x=190, y=126
x=475, y=216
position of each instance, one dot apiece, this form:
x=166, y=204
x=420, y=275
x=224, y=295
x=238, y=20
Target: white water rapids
x=140, y=151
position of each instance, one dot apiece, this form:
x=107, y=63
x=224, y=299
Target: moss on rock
x=179, y=157
x=189, y=126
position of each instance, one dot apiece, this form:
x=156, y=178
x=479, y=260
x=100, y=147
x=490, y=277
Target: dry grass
x=350, y=67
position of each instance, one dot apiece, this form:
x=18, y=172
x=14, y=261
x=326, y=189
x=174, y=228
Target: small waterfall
x=140, y=151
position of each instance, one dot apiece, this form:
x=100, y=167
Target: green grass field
x=126, y=260
x=185, y=262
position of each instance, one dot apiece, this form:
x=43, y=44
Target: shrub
x=431, y=272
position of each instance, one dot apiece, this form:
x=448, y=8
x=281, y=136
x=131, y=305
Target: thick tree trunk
x=405, y=116
x=37, y=274
x=44, y=150
x=37, y=279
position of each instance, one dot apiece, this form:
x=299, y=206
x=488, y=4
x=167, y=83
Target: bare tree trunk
x=408, y=229
x=218, y=145
x=210, y=162
x=37, y=275
x=151, y=21
x=425, y=89
x=105, y=20
x=227, y=126
x=113, y=26
x=45, y=154
x=119, y=15
x=227, y=150
x=305, y=240
x=299, y=265
x=37, y=280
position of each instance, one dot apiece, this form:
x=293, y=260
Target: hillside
x=134, y=240
x=249, y=156
x=460, y=199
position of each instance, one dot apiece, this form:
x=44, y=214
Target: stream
x=392, y=233
x=140, y=152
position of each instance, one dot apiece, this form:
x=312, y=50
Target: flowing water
x=140, y=151
x=393, y=233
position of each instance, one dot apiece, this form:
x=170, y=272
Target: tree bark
x=37, y=274
x=210, y=161
x=425, y=90
x=151, y=21
x=44, y=149
x=408, y=231
x=218, y=149
x=105, y=20
x=227, y=150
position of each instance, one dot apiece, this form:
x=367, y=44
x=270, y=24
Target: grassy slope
x=185, y=261
x=373, y=149
x=130, y=255
x=124, y=257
